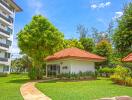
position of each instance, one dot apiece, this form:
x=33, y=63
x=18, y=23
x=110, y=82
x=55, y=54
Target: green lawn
x=10, y=87
x=83, y=90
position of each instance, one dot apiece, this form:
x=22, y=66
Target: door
x=53, y=69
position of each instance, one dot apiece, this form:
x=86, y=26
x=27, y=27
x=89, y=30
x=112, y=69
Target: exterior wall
x=7, y=27
x=74, y=65
x=2, y=54
x=83, y=66
x=1, y=69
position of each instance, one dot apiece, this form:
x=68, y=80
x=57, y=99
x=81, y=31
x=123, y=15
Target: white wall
x=83, y=66
x=1, y=68
x=2, y=54
x=74, y=65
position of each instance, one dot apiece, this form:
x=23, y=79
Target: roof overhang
x=128, y=58
x=14, y=5
x=76, y=58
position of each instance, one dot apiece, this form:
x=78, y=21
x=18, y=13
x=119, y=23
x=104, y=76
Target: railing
x=10, y=20
x=7, y=6
x=4, y=31
x=4, y=59
x=4, y=45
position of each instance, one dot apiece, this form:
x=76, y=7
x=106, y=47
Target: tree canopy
x=88, y=44
x=123, y=34
x=39, y=39
x=72, y=43
x=82, y=30
x=103, y=48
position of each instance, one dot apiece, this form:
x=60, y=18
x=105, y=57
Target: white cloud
x=117, y=15
x=100, y=5
x=36, y=6
x=94, y=6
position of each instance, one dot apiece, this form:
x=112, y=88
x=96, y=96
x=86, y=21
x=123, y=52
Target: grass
x=10, y=86
x=83, y=90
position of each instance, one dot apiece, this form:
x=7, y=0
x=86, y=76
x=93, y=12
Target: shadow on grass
x=19, y=81
x=59, y=80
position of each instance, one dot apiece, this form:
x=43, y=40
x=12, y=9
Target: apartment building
x=8, y=8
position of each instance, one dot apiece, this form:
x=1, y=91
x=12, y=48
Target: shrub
x=122, y=76
x=80, y=75
x=122, y=71
x=3, y=74
x=15, y=73
x=106, y=70
x=117, y=79
x=35, y=73
x=128, y=81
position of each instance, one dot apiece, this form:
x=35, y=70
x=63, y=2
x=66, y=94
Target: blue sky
x=67, y=14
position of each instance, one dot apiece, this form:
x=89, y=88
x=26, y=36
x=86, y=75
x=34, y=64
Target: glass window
x=6, y=68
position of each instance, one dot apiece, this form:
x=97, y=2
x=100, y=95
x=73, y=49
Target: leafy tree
x=20, y=64
x=39, y=39
x=82, y=30
x=73, y=43
x=96, y=35
x=104, y=48
x=123, y=34
x=110, y=30
x=88, y=44
x=17, y=65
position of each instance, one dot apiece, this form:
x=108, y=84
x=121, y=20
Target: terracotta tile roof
x=128, y=58
x=74, y=53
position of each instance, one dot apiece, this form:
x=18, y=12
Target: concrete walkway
x=30, y=92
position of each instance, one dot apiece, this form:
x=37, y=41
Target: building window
x=7, y=55
x=6, y=68
x=64, y=67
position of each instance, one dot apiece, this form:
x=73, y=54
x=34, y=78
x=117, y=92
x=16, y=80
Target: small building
x=71, y=60
x=128, y=58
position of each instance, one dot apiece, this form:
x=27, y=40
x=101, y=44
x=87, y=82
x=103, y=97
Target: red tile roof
x=74, y=53
x=128, y=58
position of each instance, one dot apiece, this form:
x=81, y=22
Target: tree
x=88, y=44
x=110, y=30
x=82, y=30
x=17, y=65
x=39, y=39
x=104, y=48
x=96, y=35
x=123, y=35
x=73, y=43
x=20, y=64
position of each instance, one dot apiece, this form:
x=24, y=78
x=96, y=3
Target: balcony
x=4, y=45
x=10, y=20
x=4, y=31
x=4, y=59
x=6, y=5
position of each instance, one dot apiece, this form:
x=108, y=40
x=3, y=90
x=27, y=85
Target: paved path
x=30, y=92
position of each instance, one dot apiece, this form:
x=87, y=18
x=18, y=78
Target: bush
x=3, y=74
x=15, y=73
x=35, y=73
x=80, y=75
x=106, y=71
x=122, y=71
x=128, y=81
x=122, y=76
